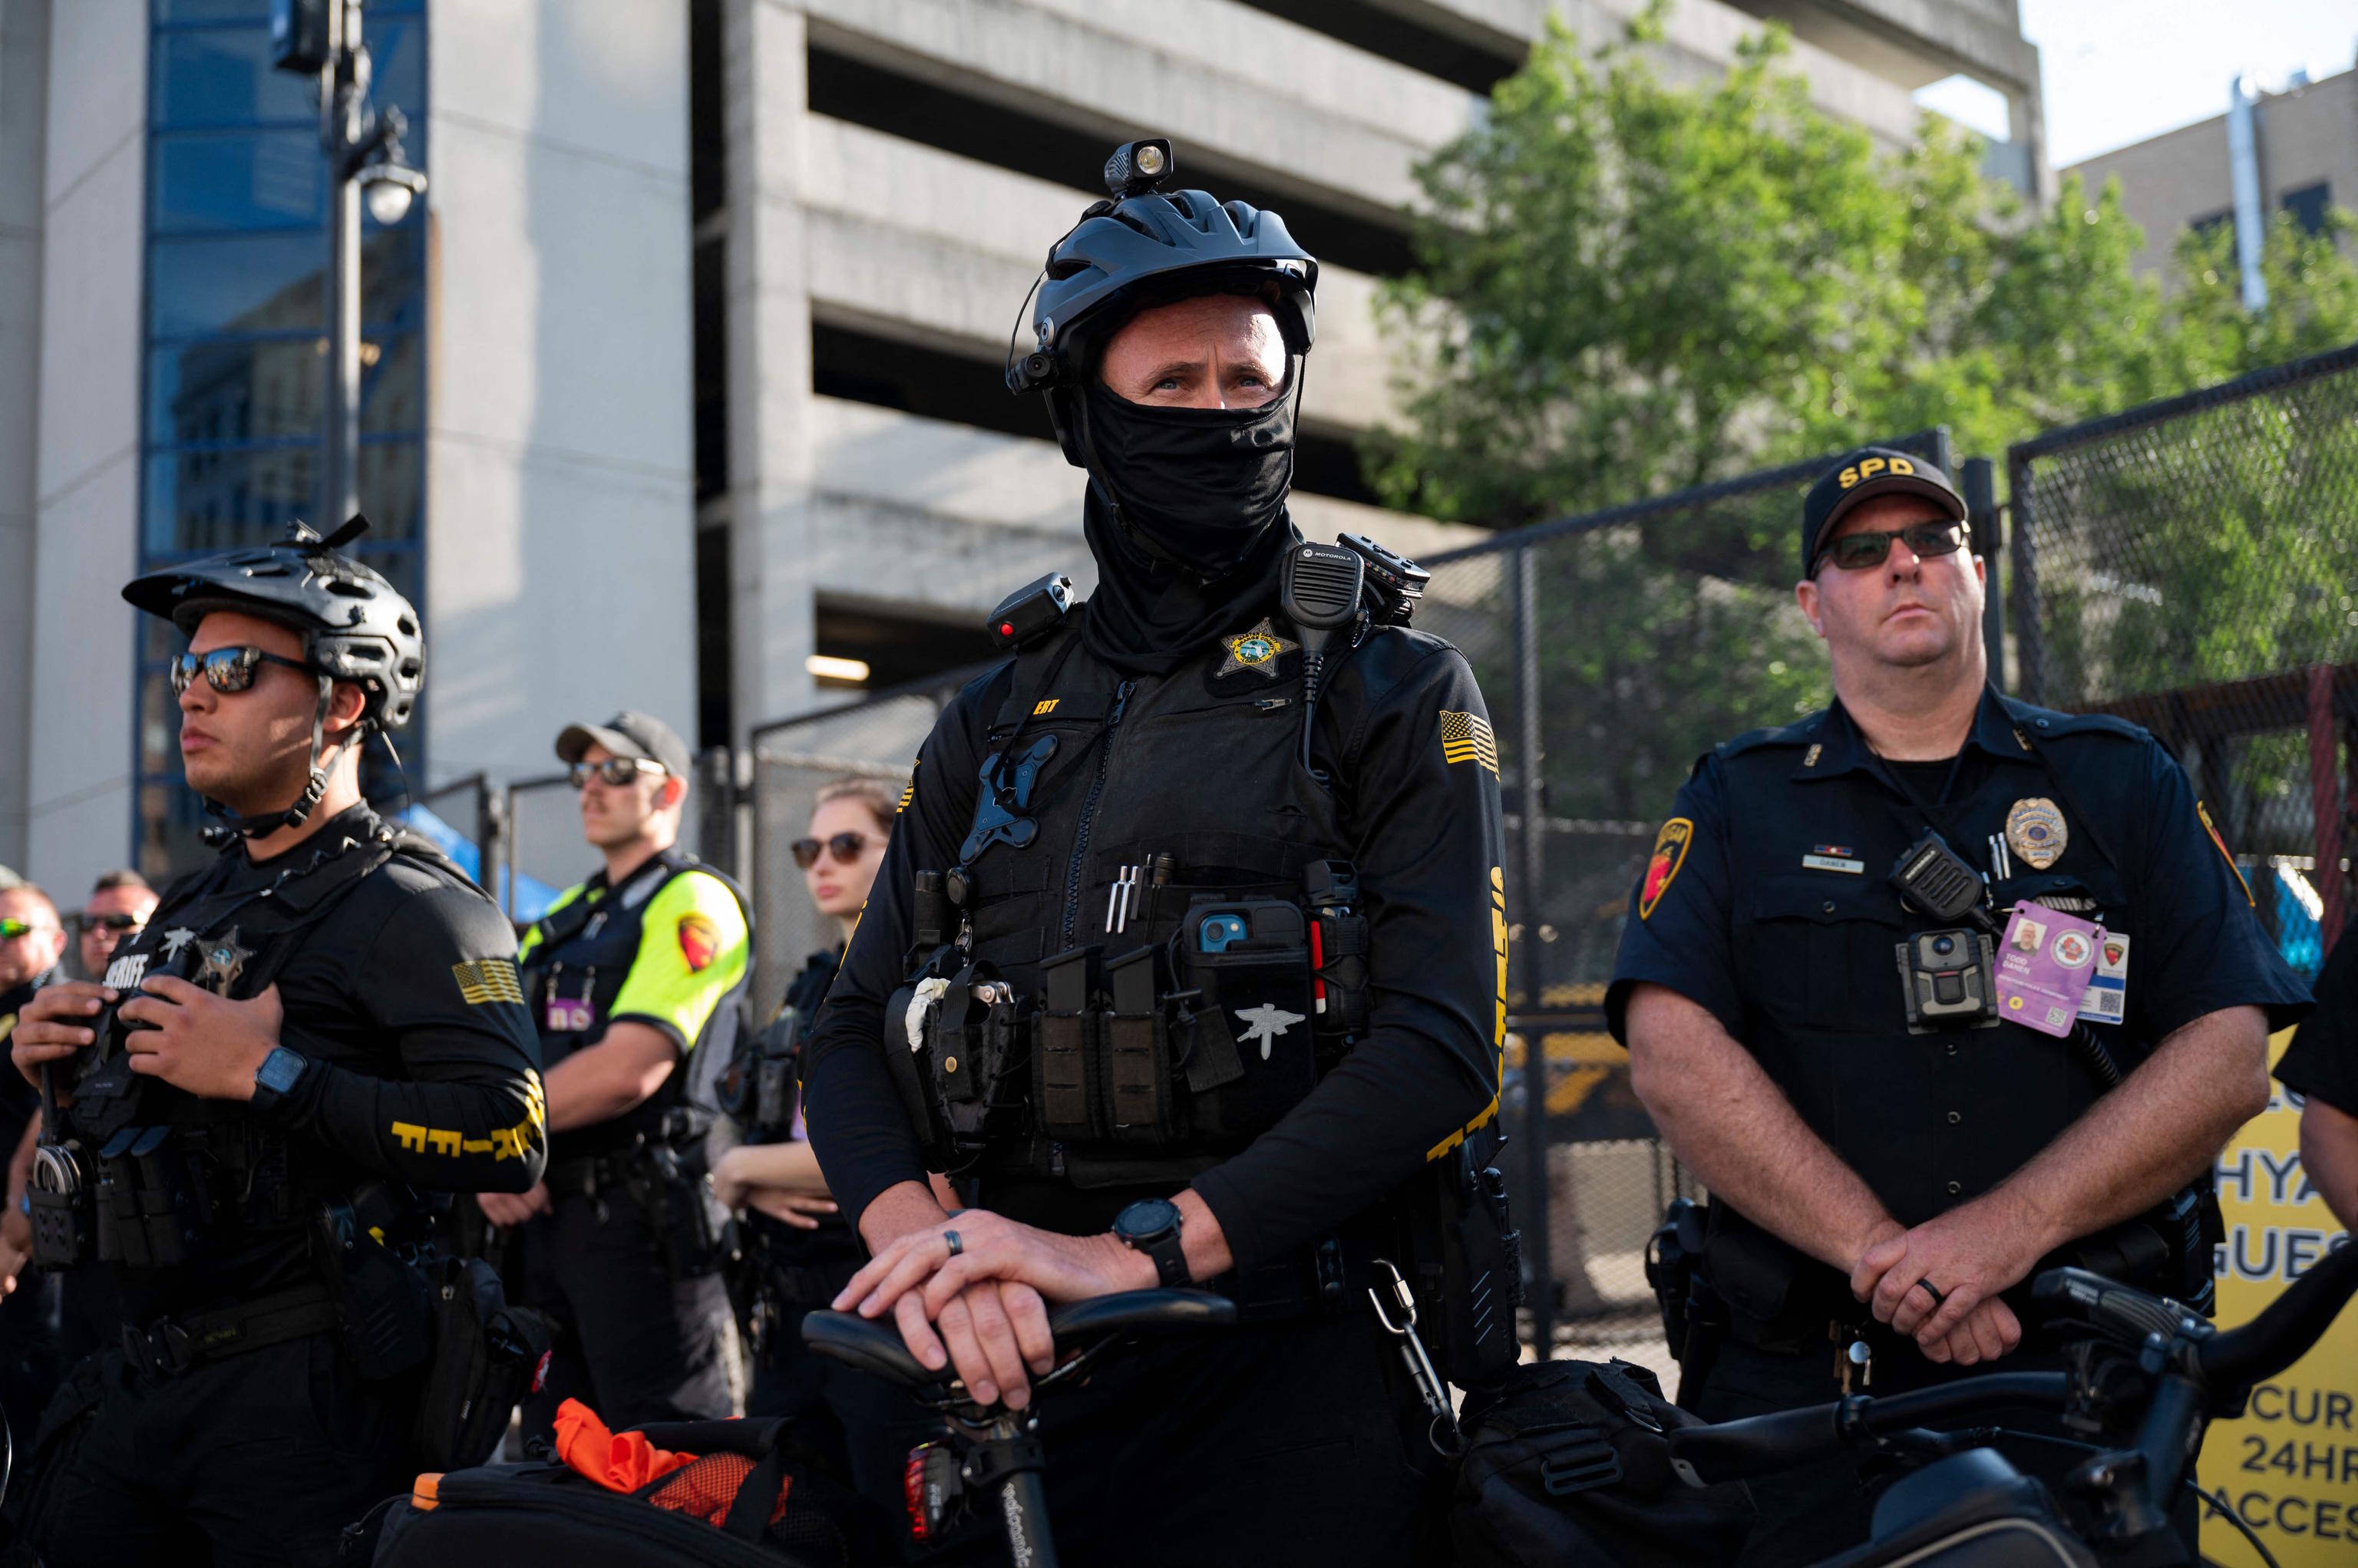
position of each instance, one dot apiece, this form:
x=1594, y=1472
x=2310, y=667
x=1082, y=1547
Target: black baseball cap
x=1861, y=475
x=628, y=734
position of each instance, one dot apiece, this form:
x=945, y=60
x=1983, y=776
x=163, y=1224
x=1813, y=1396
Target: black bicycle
x=992, y=1459
x=2146, y=1376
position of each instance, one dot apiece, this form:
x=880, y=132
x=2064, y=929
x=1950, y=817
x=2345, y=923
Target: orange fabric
x=620, y=1462
x=426, y=1494
x=708, y=1487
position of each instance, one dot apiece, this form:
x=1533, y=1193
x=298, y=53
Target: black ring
x=1932, y=1291
x=956, y=1246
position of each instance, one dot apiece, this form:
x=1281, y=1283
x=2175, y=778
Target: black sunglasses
x=1857, y=552
x=615, y=771
x=86, y=923
x=226, y=669
x=844, y=846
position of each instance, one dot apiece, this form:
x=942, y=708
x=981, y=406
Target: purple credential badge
x=2043, y=968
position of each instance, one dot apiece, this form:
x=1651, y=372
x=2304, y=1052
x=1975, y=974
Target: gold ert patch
x=1670, y=854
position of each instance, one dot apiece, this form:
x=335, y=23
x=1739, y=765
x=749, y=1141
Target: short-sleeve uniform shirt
x=1767, y=901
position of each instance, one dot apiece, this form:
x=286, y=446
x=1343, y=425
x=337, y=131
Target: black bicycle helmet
x=1143, y=247
x=355, y=627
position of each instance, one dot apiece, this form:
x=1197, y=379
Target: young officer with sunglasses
x=1892, y=1151
x=117, y=909
x=636, y=978
x=314, y=1031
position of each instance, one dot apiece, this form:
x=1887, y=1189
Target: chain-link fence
x=793, y=759
x=2193, y=565
x=1614, y=648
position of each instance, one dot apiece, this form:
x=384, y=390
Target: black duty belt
x=174, y=1345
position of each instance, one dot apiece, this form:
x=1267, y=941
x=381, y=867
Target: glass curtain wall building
x=236, y=214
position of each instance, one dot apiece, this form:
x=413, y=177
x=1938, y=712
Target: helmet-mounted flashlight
x=1137, y=168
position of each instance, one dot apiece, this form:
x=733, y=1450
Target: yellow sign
x=2289, y=1466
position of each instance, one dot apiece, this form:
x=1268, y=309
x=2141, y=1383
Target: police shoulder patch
x=699, y=941
x=1662, y=868
x=1467, y=738
x=2213, y=828
x=483, y=981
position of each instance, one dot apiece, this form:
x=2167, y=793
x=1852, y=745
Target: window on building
x=232, y=398
x=2308, y=205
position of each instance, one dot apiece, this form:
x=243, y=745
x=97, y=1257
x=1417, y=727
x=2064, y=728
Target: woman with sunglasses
x=802, y=1249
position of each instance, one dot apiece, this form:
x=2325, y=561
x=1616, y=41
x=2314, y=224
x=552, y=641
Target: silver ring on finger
x=956, y=1246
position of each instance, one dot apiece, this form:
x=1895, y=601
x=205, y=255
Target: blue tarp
x=532, y=896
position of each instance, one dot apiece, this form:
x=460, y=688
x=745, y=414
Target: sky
x=2118, y=72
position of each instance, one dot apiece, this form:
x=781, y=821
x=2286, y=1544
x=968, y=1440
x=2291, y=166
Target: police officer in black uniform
x=243, y=1117
x=1891, y=1152
x=1143, y=923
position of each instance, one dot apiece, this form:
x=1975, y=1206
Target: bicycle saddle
x=875, y=1345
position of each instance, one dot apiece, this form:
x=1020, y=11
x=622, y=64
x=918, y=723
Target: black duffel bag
x=1565, y=1464
x=756, y=1497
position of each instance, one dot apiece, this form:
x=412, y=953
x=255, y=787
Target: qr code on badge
x=2107, y=1003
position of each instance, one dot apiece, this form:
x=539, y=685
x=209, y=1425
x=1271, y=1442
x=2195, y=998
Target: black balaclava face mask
x=1187, y=518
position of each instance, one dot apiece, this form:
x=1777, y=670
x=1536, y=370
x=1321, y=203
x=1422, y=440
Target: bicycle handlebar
x=1764, y=1444
x=875, y=1344
x=2285, y=1329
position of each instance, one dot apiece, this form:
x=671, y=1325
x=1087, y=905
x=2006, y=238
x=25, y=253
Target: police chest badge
x=223, y=961
x=1257, y=649
x=2035, y=832
x=1663, y=869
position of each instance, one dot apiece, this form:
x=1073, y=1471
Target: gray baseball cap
x=628, y=734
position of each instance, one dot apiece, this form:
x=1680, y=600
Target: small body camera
x=1947, y=980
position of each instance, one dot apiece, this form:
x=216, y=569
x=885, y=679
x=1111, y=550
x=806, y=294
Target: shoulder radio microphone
x=1318, y=588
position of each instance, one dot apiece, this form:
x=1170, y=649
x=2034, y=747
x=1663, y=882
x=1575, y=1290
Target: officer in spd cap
x=1194, y=1008
x=1933, y=989
x=634, y=978
x=310, y=1033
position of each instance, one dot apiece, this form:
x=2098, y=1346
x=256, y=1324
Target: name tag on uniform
x=1834, y=858
x=569, y=1015
x=2108, y=987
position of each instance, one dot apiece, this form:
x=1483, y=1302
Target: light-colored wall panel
x=24, y=92
x=560, y=462
x=78, y=818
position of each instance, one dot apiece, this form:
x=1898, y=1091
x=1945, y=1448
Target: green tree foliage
x=1629, y=287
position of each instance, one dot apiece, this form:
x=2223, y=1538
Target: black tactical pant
x=1281, y=1445
x=632, y=1343
x=259, y=1458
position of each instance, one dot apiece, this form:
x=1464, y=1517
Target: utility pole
x=362, y=146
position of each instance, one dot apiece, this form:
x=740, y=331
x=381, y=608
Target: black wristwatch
x=279, y=1072
x=1152, y=1226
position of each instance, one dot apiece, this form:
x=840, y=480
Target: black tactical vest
x=173, y=1177
x=1135, y=886
x=574, y=968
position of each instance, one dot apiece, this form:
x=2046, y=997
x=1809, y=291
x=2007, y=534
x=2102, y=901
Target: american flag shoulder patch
x=486, y=981
x=1466, y=738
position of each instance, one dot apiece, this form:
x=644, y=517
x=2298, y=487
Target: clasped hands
x=1967, y=1256
x=980, y=1305
x=207, y=1045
